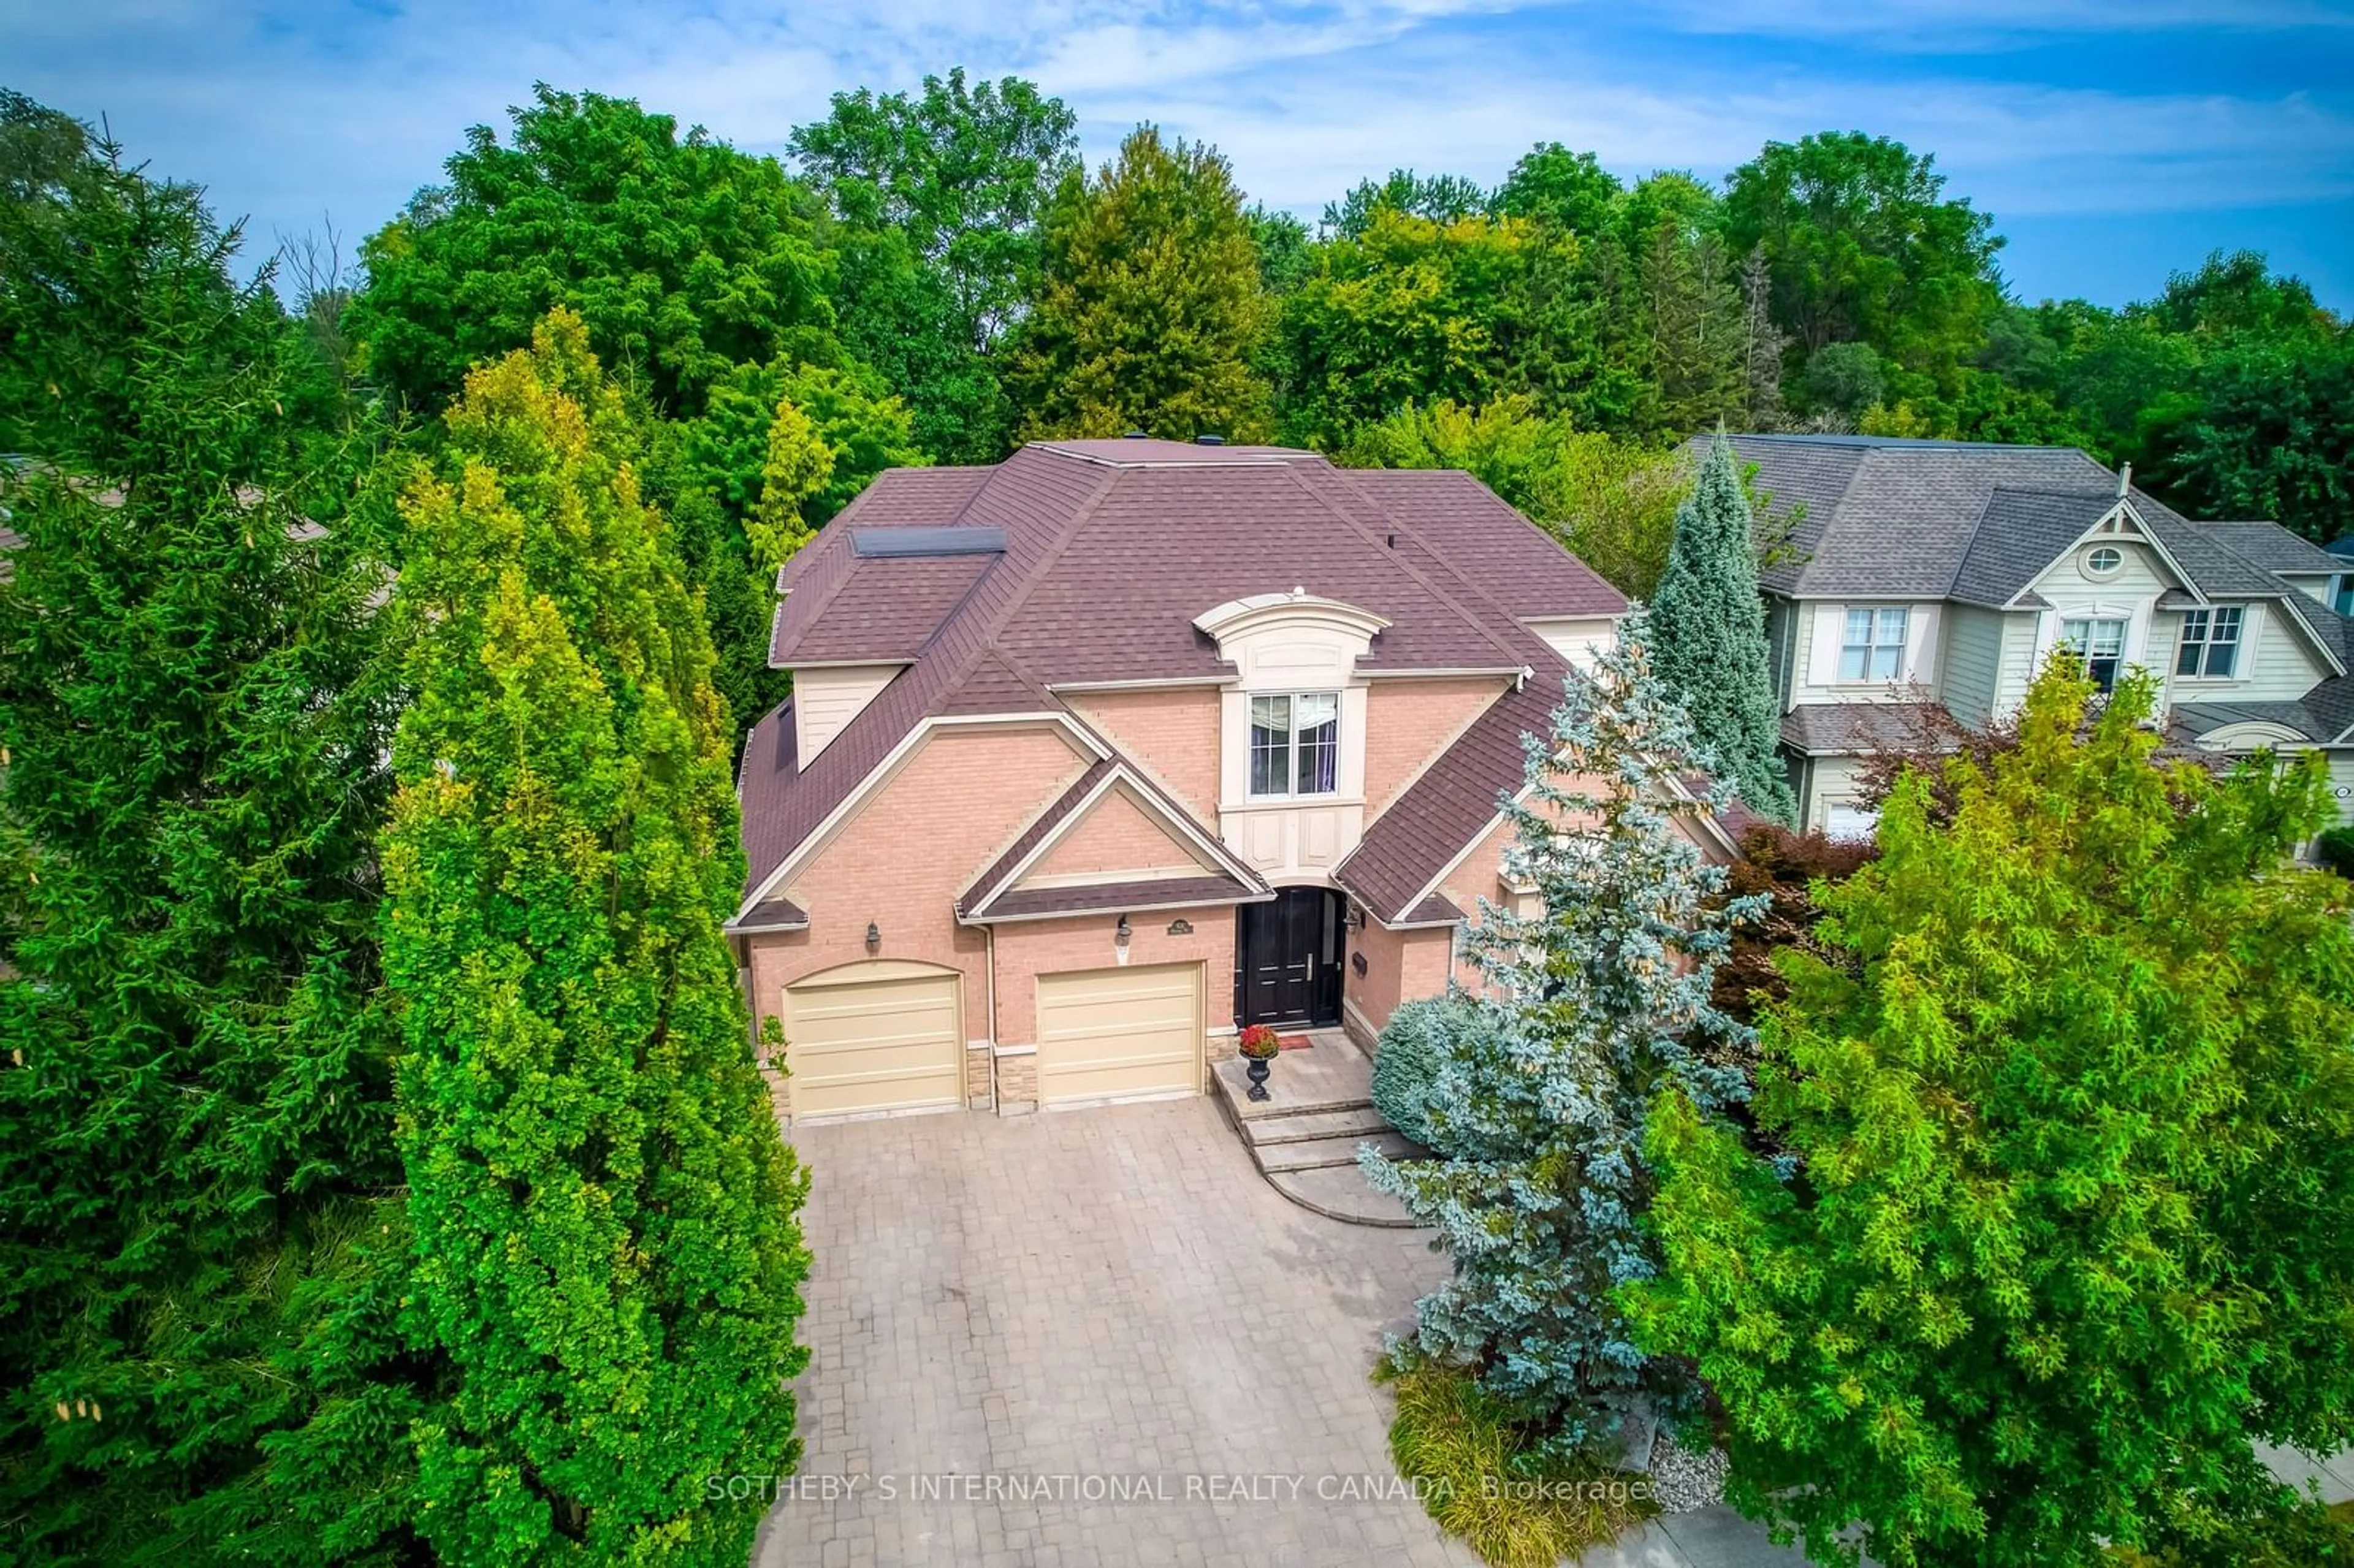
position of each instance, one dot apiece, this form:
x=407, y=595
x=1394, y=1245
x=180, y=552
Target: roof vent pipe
x=1209, y=441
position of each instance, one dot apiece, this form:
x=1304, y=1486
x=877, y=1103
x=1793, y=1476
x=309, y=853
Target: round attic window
x=2103, y=561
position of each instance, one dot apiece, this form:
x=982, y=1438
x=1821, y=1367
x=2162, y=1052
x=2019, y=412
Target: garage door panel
x=1111, y=1033
x=875, y=1045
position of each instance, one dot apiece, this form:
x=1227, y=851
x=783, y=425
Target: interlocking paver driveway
x=1107, y=1299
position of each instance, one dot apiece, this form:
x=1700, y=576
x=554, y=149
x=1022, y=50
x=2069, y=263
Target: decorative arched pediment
x=1283, y=641
x=2253, y=734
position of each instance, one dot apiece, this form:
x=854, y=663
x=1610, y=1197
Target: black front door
x=1290, y=957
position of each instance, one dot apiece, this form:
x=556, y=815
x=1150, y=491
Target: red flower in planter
x=1260, y=1043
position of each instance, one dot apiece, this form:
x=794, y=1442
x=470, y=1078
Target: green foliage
x=605, y=1236
x=1441, y=198
x=2270, y=433
x=795, y=473
x=1542, y=1078
x=1152, y=309
x=2335, y=849
x=684, y=256
x=199, y=1262
x=1406, y=1063
x=1411, y=310
x=1864, y=247
x=1710, y=620
x=944, y=195
x=1570, y=191
x=1475, y=1476
x=2072, y=1114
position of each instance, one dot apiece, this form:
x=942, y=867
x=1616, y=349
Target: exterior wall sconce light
x=874, y=939
x=1355, y=919
x=1119, y=933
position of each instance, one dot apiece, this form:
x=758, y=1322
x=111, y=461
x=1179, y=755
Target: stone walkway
x=1110, y=1310
x=1108, y=1300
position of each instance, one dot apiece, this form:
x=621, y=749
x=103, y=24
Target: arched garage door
x=1119, y=1033
x=881, y=1036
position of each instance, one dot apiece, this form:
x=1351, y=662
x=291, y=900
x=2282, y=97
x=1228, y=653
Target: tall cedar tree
x=605, y=1225
x=199, y=1254
x=1539, y=1085
x=2072, y=1104
x=1711, y=624
x=1152, y=309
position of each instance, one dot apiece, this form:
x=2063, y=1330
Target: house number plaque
x=1181, y=927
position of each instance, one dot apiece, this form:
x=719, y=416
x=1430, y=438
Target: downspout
x=988, y=934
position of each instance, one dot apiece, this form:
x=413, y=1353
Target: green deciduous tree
x=1711, y=625
x=1571, y=191
x=607, y=1247
x=1151, y=310
x=200, y=1250
x=684, y=255
x=2268, y=433
x=943, y=194
x=2072, y=1221
x=1864, y=246
x=1539, y=1084
x=1441, y=198
x=1412, y=310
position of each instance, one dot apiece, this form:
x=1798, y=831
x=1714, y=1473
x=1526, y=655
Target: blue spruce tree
x=1539, y=1084
x=1711, y=626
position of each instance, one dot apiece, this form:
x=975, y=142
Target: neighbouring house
x=1945, y=573
x=1098, y=755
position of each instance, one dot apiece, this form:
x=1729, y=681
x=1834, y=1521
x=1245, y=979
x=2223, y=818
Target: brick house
x=1099, y=753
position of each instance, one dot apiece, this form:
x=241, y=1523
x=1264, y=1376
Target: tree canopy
x=200, y=1260
x=1150, y=306
x=606, y=1249
x=683, y=255
x=2065, y=1218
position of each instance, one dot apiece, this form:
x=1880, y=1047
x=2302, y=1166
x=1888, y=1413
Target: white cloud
x=287, y=115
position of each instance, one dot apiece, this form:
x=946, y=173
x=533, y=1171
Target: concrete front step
x=1305, y=1126
x=1339, y=1193
x=1317, y=1154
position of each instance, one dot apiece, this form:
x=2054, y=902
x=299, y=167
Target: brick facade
x=1172, y=734
x=1117, y=835
x=1408, y=722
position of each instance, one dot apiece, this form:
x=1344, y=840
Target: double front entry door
x=1290, y=959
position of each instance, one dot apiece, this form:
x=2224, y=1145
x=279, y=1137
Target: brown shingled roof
x=1111, y=549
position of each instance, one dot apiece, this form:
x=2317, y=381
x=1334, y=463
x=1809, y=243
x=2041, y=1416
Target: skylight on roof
x=870, y=543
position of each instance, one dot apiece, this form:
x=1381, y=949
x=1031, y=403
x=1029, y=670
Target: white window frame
x=2208, y=620
x=1292, y=746
x=2089, y=619
x=2102, y=573
x=1875, y=642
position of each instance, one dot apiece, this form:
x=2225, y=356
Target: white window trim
x=1873, y=645
x=2242, y=655
x=1291, y=748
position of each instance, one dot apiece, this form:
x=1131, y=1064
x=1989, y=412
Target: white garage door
x=873, y=1037
x=1117, y=1033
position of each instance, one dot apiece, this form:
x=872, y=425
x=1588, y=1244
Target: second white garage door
x=1117, y=1033
x=873, y=1037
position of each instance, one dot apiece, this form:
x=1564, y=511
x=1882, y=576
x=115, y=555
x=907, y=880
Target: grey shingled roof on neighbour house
x=2274, y=548
x=1976, y=523
x=1111, y=549
x=1843, y=729
x=2016, y=537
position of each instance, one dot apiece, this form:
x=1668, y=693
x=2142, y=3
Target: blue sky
x=2112, y=140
